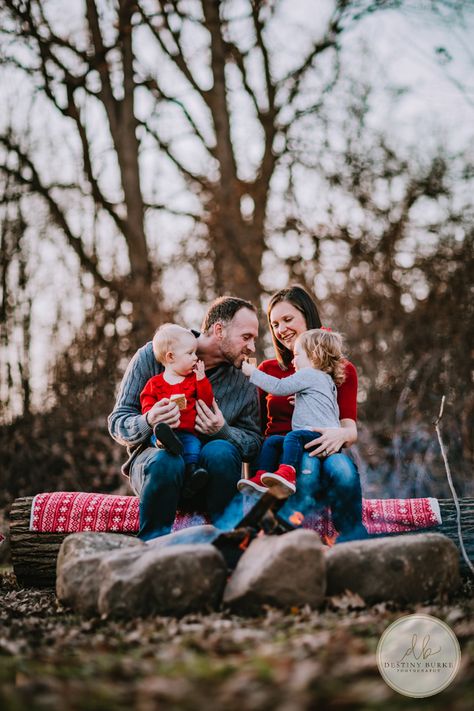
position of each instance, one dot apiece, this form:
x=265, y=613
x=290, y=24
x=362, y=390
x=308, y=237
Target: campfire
x=261, y=519
x=296, y=518
x=329, y=540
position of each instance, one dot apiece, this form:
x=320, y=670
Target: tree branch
x=165, y=147
x=106, y=94
x=178, y=57
x=36, y=186
x=172, y=211
x=270, y=86
x=152, y=85
x=99, y=198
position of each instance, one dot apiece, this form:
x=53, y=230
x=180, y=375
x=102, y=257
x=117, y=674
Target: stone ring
x=325, y=452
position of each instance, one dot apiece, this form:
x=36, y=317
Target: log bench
x=34, y=554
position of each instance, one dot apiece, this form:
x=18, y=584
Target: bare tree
x=103, y=65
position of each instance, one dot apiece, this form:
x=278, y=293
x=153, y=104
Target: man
x=230, y=428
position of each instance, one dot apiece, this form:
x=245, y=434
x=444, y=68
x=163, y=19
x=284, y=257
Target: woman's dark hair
x=298, y=297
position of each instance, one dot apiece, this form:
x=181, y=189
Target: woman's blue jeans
x=332, y=482
x=157, y=478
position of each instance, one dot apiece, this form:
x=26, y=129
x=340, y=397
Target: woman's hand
x=333, y=438
x=163, y=411
x=208, y=420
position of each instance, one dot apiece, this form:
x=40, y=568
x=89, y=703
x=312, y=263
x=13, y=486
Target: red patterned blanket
x=70, y=512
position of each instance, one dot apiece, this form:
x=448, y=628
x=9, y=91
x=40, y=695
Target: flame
x=329, y=540
x=296, y=518
x=244, y=544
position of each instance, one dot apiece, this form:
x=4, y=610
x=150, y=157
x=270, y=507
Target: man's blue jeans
x=157, y=478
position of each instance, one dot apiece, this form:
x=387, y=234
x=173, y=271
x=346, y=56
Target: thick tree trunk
x=34, y=554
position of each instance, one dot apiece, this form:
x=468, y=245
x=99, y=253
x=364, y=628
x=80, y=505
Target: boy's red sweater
x=194, y=389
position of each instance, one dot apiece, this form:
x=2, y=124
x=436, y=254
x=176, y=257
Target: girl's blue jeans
x=333, y=481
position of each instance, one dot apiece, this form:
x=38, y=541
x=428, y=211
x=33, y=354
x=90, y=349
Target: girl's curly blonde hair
x=324, y=350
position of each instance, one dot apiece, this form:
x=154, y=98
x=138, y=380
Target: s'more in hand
x=180, y=400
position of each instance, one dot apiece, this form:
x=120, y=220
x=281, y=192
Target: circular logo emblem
x=418, y=655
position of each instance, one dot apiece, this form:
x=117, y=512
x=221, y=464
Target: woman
x=335, y=481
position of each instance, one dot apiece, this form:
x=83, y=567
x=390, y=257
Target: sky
x=430, y=62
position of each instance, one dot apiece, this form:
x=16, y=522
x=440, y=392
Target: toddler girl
x=319, y=365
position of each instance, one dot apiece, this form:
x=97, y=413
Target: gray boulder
x=282, y=571
x=194, y=534
x=408, y=568
x=77, y=581
x=170, y=580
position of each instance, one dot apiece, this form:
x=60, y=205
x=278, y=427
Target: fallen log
x=34, y=554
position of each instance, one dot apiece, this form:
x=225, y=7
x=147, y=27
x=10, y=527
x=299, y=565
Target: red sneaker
x=250, y=486
x=284, y=476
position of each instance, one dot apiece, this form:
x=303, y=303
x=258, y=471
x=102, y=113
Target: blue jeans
x=191, y=446
x=157, y=478
x=332, y=482
x=288, y=449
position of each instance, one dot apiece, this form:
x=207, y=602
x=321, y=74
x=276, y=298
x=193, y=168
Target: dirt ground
x=51, y=658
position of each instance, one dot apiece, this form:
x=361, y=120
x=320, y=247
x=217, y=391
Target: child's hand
x=199, y=370
x=247, y=369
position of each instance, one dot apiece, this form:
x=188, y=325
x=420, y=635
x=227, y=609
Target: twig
x=451, y=485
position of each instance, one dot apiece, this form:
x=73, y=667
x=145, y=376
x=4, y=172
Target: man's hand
x=247, y=368
x=200, y=370
x=208, y=420
x=163, y=411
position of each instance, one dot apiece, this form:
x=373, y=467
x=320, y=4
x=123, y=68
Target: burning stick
x=296, y=518
x=261, y=517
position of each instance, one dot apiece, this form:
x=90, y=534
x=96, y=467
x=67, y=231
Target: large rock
x=77, y=581
x=408, y=568
x=194, y=534
x=283, y=571
x=162, y=580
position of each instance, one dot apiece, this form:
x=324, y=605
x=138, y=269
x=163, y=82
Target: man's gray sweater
x=315, y=396
x=235, y=395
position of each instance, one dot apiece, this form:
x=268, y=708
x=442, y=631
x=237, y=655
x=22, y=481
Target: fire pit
x=262, y=518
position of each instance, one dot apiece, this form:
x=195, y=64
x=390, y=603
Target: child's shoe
x=195, y=478
x=250, y=486
x=285, y=476
x=165, y=435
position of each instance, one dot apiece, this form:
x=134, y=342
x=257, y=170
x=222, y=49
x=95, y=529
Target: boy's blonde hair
x=324, y=350
x=167, y=337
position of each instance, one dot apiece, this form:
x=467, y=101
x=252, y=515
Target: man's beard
x=231, y=354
